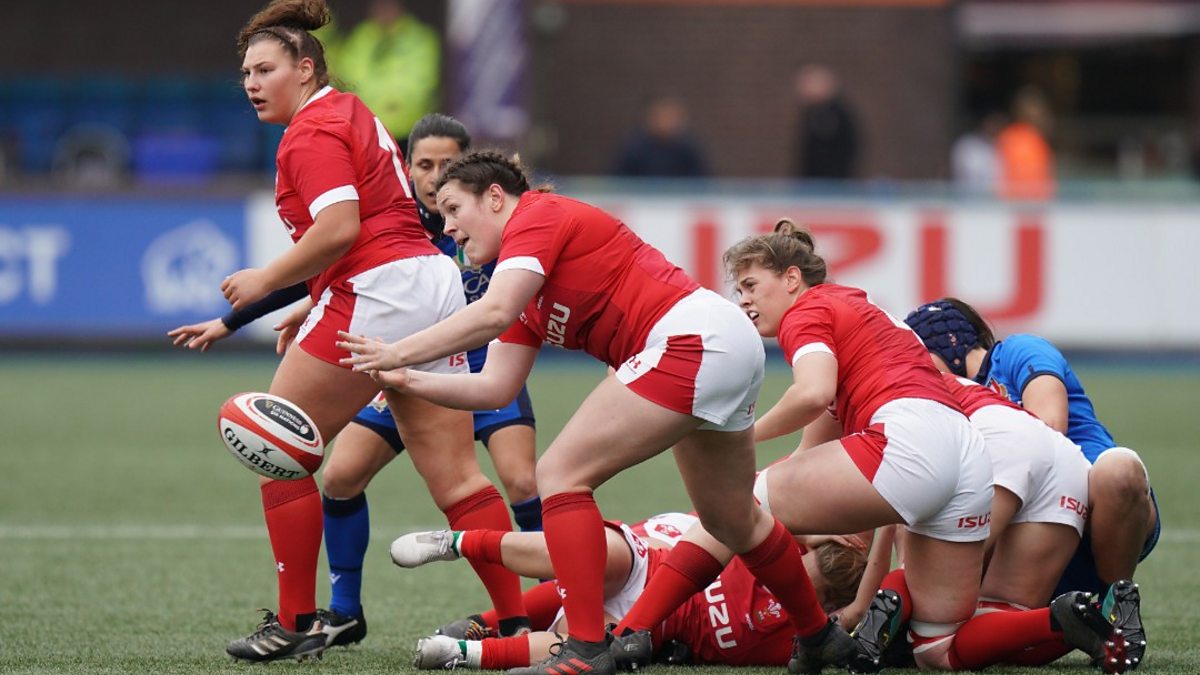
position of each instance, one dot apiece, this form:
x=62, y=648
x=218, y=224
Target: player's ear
x=495, y=197
x=306, y=68
x=793, y=279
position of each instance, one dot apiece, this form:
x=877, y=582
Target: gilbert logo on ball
x=271, y=436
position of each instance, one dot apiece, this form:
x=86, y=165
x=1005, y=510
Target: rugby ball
x=271, y=436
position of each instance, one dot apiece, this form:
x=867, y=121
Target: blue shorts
x=1081, y=574
x=487, y=422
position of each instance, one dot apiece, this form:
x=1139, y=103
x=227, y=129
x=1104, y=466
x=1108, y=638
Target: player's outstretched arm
x=505, y=370
x=509, y=291
x=811, y=392
x=203, y=335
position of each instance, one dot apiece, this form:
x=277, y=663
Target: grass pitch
x=131, y=543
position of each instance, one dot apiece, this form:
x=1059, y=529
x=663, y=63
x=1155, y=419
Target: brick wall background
x=734, y=67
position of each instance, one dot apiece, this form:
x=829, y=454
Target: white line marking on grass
x=166, y=532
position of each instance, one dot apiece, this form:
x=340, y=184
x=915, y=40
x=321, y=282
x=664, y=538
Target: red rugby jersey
x=336, y=150
x=604, y=287
x=879, y=358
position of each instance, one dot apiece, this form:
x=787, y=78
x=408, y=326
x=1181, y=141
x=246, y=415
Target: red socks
x=895, y=581
x=501, y=653
x=988, y=639
x=481, y=545
x=575, y=538
x=686, y=570
x=294, y=525
x=777, y=563
x=1039, y=655
x=485, y=510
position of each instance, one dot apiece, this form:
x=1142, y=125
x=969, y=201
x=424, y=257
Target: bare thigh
x=943, y=578
x=821, y=491
x=358, y=455
x=441, y=444
x=1028, y=561
x=613, y=429
x=718, y=471
x=331, y=395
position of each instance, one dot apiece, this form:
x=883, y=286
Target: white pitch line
x=132, y=531
x=140, y=532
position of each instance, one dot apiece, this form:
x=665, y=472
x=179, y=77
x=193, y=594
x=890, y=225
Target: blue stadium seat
x=229, y=118
x=37, y=114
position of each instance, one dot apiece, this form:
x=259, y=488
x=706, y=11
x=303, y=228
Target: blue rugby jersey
x=1013, y=362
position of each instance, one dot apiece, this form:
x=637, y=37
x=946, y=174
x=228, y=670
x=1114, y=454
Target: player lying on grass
x=1123, y=524
x=735, y=621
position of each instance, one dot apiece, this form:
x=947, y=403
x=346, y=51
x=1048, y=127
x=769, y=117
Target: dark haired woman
x=342, y=194
x=688, y=367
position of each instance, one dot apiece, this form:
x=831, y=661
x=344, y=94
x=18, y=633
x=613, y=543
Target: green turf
x=131, y=542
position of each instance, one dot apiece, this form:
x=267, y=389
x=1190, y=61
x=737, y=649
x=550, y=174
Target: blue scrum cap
x=945, y=332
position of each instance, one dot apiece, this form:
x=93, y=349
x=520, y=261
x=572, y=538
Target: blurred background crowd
x=992, y=149
x=1001, y=97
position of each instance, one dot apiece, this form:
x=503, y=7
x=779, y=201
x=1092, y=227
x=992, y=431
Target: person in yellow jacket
x=393, y=62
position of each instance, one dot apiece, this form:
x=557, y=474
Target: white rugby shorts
x=1045, y=470
x=391, y=301
x=930, y=465
x=703, y=358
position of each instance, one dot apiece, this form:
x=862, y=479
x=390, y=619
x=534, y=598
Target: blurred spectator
x=827, y=147
x=1026, y=160
x=663, y=146
x=393, y=62
x=975, y=164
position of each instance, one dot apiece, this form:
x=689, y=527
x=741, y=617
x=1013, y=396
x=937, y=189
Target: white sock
x=473, y=651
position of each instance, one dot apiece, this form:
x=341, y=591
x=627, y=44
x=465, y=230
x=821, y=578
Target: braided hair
x=790, y=245
x=477, y=170
x=288, y=22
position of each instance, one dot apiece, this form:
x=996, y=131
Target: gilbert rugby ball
x=271, y=436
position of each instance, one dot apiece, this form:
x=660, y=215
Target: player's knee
x=1119, y=479
x=338, y=483
x=732, y=527
x=519, y=487
x=933, y=645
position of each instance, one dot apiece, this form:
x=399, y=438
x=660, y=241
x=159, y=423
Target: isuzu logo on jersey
x=718, y=615
x=556, y=327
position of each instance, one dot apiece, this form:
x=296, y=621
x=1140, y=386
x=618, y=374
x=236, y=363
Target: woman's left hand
x=246, y=286
x=369, y=354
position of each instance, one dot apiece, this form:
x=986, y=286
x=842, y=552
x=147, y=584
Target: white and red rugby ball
x=271, y=436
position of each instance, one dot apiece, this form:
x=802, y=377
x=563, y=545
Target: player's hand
x=246, y=286
x=290, y=325
x=849, y=616
x=200, y=335
x=369, y=354
x=397, y=379
x=852, y=541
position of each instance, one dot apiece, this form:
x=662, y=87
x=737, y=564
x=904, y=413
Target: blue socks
x=347, y=533
x=528, y=514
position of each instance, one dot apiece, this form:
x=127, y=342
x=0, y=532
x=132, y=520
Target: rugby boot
x=831, y=647
x=1122, y=606
x=272, y=642
x=874, y=634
